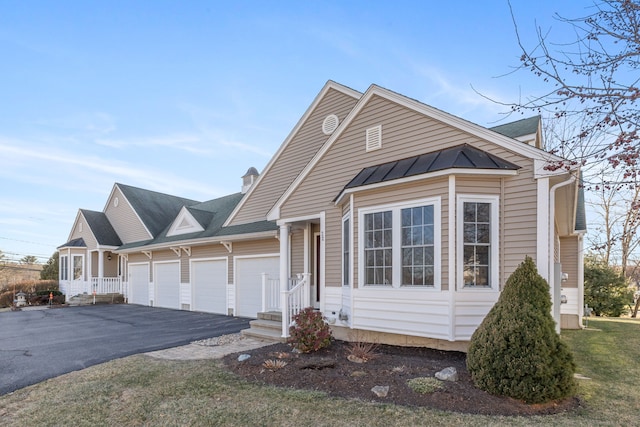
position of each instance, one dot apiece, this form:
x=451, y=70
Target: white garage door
x=139, y=284
x=167, y=280
x=249, y=283
x=209, y=286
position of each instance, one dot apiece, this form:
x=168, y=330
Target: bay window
x=400, y=244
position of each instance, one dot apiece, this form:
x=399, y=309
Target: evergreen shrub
x=516, y=351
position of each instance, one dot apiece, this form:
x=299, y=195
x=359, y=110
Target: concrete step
x=265, y=328
x=271, y=315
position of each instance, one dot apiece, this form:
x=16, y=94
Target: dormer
x=249, y=178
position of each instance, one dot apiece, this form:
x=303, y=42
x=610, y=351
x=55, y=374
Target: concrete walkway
x=214, y=348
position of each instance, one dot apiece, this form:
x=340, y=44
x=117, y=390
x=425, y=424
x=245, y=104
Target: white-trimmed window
x=400, y=244
x=478, y=242
x=64, y=267
x=78, y=267
x=346, y=250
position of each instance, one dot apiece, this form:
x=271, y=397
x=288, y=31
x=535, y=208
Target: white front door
x=248, y=280
x=209, y=285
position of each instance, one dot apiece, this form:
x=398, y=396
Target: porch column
x=100, y=263
x=284, y=277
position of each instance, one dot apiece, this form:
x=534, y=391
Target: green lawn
x=139, y=390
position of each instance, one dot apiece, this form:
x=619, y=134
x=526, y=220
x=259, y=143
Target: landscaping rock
x=243, y=357
x=448, y=374
x=381, y=390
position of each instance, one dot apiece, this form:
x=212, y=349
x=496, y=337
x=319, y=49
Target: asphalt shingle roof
x=101, y=228
x=75, y=243
x=519, y=127
x=156, y=210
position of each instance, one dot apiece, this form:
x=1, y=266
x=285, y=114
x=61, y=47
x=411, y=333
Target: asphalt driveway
x=41, y=344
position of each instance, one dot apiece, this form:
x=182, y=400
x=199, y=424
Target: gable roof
x=101, y=228
x=519, y=128
x=154, y=209
x=496, y=138
x=75, y=243
x=213, y=214
x=330, y=85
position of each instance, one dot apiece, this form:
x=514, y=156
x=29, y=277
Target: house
x=399, y=221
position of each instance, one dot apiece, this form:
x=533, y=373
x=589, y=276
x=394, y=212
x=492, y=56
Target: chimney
x=248, y=179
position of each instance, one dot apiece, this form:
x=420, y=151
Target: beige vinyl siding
x=124, y=219
x=301, y=148
x=406, y=192
x=85, y=234
x=569, y=260
x=407, y=133
x=297, y=252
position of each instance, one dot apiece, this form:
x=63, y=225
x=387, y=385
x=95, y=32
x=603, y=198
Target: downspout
x=555, y=291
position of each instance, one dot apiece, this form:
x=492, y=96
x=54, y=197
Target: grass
x=142, y=391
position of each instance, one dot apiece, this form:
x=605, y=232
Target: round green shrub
x=516, y=351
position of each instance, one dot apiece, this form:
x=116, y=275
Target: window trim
x=395, y=209
x=494, y=259
x=73, y=267
x=347, y=249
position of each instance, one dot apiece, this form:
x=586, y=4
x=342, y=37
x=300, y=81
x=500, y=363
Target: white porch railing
x=101, y=285
x=297, y=297
x=106, y=285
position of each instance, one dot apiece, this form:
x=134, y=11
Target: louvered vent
x=330, y=124
x=374, y=138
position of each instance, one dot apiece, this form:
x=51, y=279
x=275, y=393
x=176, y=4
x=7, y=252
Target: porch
x=97, y=286
x=279, y=306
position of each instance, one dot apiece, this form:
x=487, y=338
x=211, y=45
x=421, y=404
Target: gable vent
x=330, y=124
x=374, y=138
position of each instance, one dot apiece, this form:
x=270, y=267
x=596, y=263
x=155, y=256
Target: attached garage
x=248, y=281
x=209, y=285
x=138, y=284
x=166, y=277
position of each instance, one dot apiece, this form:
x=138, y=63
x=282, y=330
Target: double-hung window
x=64, y=267
x=478, y=242
x=400, y=244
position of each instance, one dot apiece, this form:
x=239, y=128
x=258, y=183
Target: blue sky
x=183, y=97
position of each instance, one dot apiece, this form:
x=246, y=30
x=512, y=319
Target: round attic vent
x=330, y=124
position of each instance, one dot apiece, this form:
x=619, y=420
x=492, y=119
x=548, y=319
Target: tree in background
x=28, y=260
x=606, y=290
x=593, y=81
x=516, y=351
x=50, y=269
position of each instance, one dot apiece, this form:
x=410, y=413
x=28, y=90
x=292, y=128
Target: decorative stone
x=447, y=374
x=356, y=374
x=243, y=357
x=381, y=390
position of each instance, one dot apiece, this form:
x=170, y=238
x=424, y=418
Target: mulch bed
x=330, y=371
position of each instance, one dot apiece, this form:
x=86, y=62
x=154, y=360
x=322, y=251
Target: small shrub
x=309, y=331
x=516, y=351
x=362, y=352
x=424, y=385
x=274, y=364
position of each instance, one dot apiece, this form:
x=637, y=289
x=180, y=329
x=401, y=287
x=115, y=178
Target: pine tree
x=516, y=351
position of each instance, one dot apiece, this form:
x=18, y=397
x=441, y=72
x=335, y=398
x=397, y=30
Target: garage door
x=167, y=280
x=139, y=284
x=209, y=286
x=248, y=278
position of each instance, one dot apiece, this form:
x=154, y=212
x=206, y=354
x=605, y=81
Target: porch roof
x=75, y=243
x=459, y=157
